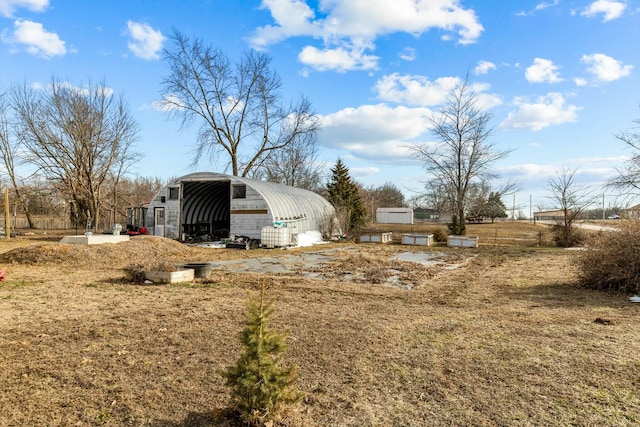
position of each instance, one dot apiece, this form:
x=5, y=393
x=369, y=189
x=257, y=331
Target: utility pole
x=603, y=216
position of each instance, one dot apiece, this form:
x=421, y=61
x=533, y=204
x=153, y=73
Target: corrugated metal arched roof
x=286, y=203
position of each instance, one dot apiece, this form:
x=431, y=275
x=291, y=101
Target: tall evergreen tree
x=344, y=194
x=495, y=208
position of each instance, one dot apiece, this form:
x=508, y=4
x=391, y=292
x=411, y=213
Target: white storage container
x=278, y=237
x=462, y=242
x=417, y=239
x=385, y=237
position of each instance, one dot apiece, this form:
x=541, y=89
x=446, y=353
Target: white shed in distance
x=394, y=216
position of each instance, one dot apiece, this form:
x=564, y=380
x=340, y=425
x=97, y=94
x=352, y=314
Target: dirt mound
x=138, y=250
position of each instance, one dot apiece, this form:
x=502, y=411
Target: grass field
x=504, y=339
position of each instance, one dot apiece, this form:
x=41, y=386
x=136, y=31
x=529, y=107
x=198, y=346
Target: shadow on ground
x=560, y=295
x=195, y=419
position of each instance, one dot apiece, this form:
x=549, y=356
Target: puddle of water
x=419, y=258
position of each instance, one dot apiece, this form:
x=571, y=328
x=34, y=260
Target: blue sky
x=560, y=77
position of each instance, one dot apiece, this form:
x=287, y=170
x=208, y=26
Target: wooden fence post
x=7, y=215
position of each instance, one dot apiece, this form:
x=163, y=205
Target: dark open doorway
x=206, y=210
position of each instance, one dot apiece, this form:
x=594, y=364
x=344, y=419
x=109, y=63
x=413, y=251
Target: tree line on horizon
x=81, y=142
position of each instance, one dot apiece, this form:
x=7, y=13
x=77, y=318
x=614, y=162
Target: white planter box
x=462, y=242
x=376, y=237
x=94, y=239
x=417, y=239
x=185, y=275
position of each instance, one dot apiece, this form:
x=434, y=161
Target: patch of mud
x=292, y=264
x=404, y=270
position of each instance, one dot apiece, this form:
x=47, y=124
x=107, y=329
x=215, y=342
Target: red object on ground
x=1, y=275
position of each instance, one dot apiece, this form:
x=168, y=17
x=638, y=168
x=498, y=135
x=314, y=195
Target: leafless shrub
x=567, y=236
x=328, y=225
x=440, y=235
x=611, y=260
x=135, y=272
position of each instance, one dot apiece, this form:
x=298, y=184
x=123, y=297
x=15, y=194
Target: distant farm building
x=555, y=215
x=394, y=216
x=633, y=212
x=425, y=214
x=208, y=205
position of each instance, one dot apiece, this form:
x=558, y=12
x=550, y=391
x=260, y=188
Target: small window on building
x=239, y=191
x=174, y=193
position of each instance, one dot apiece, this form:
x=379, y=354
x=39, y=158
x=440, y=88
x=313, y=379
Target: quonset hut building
x=212, y=205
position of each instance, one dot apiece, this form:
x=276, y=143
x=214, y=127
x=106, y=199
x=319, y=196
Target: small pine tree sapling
x=260, y=384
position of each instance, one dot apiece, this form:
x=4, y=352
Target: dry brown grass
x=500, y=233
x=506, y=339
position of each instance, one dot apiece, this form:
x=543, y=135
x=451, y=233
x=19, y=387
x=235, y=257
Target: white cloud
x=168, y=103
x=85, y=91
x=594, y=171
x=7, y=7
x=374, y=131
x=484, y=67
x=292, y=17
x=418, y=90
x=611, y=9
x=599, y=162
x=408, y=54
x=37, y=40
x=605, y=68
x=349, y=27
x=145, y=42
x=364, y=172
x=415, y=90
x=546, y=111
x=579, y=81
x=540, y=6
x=529, y=171
x=544, y=5
x=542, y=70
x=338, y=59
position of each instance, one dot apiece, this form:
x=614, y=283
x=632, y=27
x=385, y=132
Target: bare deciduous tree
x=238, y=105
x=463, y=153
x=439, y=198
x=116, y=175
x=76, y=136
x=9, y=149
x=127, y=193
x=628, y=178
x=571, y=198
x=484, y=201
x=295, y=165
x=387, y=195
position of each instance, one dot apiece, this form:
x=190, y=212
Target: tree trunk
x=24, y=206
